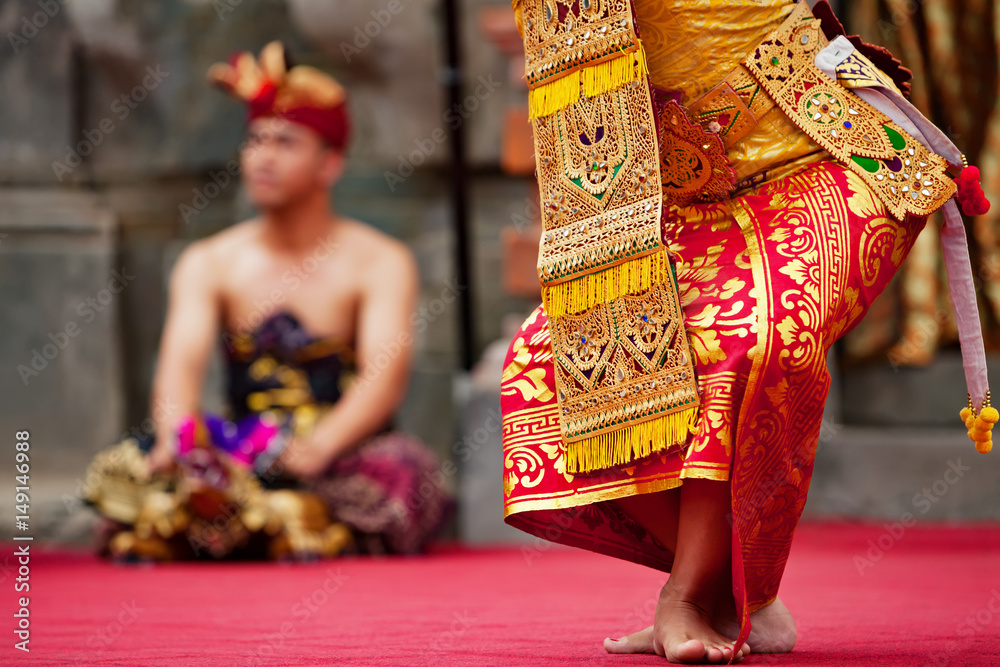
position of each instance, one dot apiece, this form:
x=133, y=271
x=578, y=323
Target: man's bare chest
x=324, y=299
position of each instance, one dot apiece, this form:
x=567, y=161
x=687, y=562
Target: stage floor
x=862, y=594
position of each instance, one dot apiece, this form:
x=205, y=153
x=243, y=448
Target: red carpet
x=933, y=598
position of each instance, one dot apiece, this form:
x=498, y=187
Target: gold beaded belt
x=782, y=71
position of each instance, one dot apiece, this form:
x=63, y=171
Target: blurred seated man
x=315, y=312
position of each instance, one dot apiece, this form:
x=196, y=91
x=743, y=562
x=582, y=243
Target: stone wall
x=112, y=153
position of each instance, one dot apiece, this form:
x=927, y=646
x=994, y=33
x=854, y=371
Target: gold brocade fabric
x=691, y=46
x=625, y=380
x=768, y=280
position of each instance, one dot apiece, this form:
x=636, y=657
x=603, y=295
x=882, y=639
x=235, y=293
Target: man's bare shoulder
x=233, y=238
x=366, y=236
x=373, y=246
x=202, y=258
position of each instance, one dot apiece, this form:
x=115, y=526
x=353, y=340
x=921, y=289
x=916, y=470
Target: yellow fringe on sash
x=630, y=443
x=581, y=294
x=550, y=97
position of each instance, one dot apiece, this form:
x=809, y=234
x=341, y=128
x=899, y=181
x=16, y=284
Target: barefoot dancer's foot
x=772, y=628
x=772, y=631
x=682, y=632
x=682, y=628
x=692, y=643
x=642, y=642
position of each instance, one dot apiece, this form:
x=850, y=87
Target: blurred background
x=113, y=154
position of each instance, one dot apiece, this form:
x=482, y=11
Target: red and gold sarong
x=768, y=281
x=831, y=195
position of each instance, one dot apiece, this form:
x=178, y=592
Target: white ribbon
x=954, y=244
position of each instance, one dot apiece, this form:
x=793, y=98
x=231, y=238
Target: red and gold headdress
x=300, y=93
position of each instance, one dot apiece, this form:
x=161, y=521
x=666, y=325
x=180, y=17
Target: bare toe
x=691, y=650
x=716, y=654
x=686, y=636
x=637, y=642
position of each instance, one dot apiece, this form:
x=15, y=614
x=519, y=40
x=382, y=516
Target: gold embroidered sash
x=624, y=372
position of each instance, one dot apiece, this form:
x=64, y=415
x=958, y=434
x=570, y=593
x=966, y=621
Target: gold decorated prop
x=118, y=481
x=177, y=515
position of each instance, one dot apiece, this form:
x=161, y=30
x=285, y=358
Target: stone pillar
x=519, y=240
